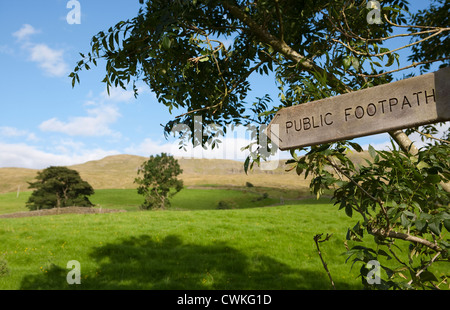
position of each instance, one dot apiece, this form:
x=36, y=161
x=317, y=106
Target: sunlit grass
x=250, y=247
x=257, y=248
x=13, y=202
x=130, y=200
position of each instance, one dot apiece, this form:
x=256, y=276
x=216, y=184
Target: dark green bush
x=4, y=270
x=226, y=204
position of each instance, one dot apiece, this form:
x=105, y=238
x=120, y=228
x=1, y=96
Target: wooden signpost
x=407, y=103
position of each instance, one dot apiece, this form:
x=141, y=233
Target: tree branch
x=415, y=64
x=376, y=200
x=317, y=241
x=431, y=137
x=281, y=47
x=426, y=266
x=396, y=235
x=391, y=51
x=280, y=20
x=229, y=92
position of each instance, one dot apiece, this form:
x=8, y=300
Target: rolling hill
x=119, y=172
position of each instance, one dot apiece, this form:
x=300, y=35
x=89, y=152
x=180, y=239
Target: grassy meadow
x=187, y=199
x=243, y=248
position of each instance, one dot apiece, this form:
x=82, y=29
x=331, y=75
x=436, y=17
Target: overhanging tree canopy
x=313, y=49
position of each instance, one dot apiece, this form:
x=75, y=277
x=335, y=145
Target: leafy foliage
x=182, y=51
x=436, y=47
x=159, y=181
x=398, y=197
x=58, y=187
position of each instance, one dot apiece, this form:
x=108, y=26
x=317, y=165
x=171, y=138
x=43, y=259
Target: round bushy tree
x=159, y=181
x=58, y=187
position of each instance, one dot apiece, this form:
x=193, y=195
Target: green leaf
x=246, y=164
x=356, y=146
x=433, y=179
x=299, y=169
x=404, y=220
x=347, y=62
x=355, y=63
x=349, y=210
x=422, y=165
x=434, y=226
x=104, y=43
x=421, y=225
x=116, y=38
x=447, y=225
x=425, y=216
x=427, y=276
x=408, y=213
x=391, y=59
x=372, y=151
x=166, y=43
x=111, y=42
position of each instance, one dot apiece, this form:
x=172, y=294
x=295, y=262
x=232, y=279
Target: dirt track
x=55, y=211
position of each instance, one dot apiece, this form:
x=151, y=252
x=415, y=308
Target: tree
x=159, y=181
x=436, y=47
x=312, y=50
x=59, y=187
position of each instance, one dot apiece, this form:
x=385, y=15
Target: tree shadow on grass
x=146, y=262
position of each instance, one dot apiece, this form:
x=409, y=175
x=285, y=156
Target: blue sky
x=45, y=122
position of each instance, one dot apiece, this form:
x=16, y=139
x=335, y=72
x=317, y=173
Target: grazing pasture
x=191, y=246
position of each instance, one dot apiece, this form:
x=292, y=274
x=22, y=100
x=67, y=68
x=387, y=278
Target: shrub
x=262, y=197
x=226, y=204
x=4, y=270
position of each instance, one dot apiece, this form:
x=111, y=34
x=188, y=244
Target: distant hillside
x=15, y=178
x=119, y=171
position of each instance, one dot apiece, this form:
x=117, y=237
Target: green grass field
x=250, y=247
x=130, y=200
x=257, y=248
x=187, y=199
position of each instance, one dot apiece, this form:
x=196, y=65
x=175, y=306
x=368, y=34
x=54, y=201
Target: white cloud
x=68, y=146
x=94, y=125
x=117, y=94
x=26, y=156
x=51, y=60
x=12, y=132
x=149, y=147
x=5, y=49
x=25, y=32
x=229, y=148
